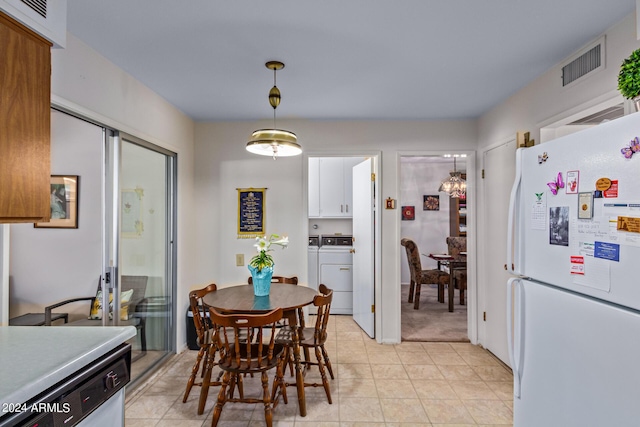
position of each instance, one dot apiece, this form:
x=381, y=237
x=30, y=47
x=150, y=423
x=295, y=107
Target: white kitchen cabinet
x=332, y=197
x=336, y=272
x=314, y=187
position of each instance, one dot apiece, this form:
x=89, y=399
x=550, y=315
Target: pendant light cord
x=274, y=108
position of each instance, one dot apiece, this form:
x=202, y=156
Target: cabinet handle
x=344, y=268
x=341, y=208
x=347, y=208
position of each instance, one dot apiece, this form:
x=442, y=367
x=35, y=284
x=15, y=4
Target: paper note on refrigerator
x=539, y=212
x=595, y=273
x=624, y=222
x=585, y=268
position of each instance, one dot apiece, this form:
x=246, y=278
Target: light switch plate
x=239, y=260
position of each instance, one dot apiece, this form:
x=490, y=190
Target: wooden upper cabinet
x=25, y=130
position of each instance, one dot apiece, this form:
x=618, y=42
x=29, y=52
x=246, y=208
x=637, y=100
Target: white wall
x=545, y=98
x=429, y=229
x=222, y=165
x=88, y=84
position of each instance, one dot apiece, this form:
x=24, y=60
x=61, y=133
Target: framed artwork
x=431, y=203
x=251, y=212
x=64, y=202
x=408, y=213
x=131, y=225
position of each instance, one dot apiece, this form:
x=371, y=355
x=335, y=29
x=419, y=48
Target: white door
x=499, y=173
x=363, y=257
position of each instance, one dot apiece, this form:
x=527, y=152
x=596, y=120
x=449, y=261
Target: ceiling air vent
x=39, y=6
x=584, y=62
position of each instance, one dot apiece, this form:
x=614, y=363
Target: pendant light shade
x=454, y=185
x=274, y=142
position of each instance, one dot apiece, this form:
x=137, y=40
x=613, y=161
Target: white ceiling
x=344, y=59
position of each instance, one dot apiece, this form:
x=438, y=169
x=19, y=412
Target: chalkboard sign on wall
x=251, y=212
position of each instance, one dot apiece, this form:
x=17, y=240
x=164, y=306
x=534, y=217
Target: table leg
x=293, y=322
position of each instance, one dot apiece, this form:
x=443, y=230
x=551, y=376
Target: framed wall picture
x=431, y=203
x=408, y=213
x=251, y=212
x=64, y=202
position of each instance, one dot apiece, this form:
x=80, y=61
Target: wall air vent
x=605, y=115
x=584, y=62
x=39, y=6
x=47, y=18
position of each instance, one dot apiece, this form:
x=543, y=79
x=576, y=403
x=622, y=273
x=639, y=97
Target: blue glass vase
x=261, y=280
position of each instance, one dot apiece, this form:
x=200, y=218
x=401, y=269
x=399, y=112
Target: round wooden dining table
x=240, y=299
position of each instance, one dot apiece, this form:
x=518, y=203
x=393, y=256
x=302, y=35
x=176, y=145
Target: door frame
x=377, y=167
x=472, y=253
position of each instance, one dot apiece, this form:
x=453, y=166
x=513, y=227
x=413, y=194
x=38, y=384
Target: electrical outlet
x=239, y=260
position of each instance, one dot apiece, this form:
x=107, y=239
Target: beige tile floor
x=409, y=384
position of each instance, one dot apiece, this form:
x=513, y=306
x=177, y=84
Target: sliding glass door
x=139, y=248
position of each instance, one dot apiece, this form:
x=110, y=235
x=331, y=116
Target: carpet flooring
x=433, y=321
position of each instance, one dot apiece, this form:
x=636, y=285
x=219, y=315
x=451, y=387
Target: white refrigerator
x=573, y=303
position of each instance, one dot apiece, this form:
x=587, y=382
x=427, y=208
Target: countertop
x=34, y=358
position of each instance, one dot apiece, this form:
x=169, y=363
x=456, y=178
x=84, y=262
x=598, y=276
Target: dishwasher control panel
x=72, y=400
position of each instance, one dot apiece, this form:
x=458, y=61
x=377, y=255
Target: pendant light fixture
x=454, y=185
x=274, y=142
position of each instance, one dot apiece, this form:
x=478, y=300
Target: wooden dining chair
x=309, y=338
x=420, y=276
x=455, y=246
x=207, y=343
x=239, y=357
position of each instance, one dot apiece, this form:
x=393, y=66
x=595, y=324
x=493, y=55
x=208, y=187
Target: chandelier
x=274, y=142
x=454, y=185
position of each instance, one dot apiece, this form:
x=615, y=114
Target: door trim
x=377, y=158
x=472, y=253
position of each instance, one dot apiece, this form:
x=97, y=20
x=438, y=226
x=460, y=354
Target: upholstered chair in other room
x=421, y=277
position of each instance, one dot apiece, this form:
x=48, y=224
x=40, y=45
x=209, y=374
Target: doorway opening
x=429, y=217
x=343, y=220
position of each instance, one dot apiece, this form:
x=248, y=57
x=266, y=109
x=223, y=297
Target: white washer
x=335, y=270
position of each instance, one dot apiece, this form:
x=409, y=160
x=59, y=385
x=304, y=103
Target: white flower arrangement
x=263, y=246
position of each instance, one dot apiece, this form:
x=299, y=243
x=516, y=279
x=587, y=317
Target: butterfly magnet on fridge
x=554, y=186
x=633, y=147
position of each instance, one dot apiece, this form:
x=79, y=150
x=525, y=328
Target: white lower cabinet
x=336, y=272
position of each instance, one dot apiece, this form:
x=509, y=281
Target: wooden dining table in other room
x=240, y=299
x=451, y=263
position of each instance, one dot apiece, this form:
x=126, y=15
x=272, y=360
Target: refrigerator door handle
x=513, y=199
x=514, y=330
